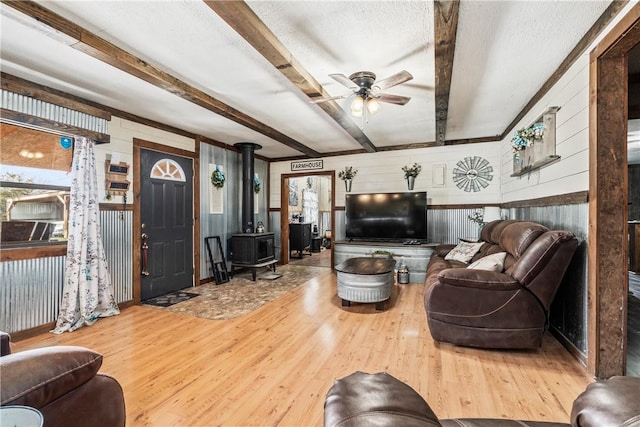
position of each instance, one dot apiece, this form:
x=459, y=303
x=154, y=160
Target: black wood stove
x=250, y=249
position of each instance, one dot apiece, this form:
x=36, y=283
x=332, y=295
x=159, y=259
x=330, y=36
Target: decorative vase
x=403, y=274
x=347, y=185
x=410, y=181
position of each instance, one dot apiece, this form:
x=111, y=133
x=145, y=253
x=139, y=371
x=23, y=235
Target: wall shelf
x=537, y=165
x=543, y=152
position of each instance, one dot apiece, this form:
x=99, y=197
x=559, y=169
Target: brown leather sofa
x=381, y=400
x=498, y=309
x=63, y=383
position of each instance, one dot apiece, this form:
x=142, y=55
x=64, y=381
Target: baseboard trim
x=571, y=348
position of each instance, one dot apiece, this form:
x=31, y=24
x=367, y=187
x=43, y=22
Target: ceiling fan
x=368, y=91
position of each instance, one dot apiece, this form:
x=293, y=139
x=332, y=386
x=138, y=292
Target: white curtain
x=310, y=205
x=87, y=293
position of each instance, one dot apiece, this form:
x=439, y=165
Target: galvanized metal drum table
x=366, y=280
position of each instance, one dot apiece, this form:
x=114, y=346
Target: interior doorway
x=608, y=198
x=633, y=168
x=307, y=218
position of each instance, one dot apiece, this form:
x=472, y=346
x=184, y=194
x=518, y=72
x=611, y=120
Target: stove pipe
x=247, y=149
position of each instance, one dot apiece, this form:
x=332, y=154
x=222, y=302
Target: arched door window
x=168, y=170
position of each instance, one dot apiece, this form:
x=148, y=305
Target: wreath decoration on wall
x=217, y=178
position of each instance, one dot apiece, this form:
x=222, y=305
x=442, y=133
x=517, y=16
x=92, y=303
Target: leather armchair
x=63, y=383
x=507, y=309
x=382, y=400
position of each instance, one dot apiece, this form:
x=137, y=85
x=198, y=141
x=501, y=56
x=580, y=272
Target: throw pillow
x=493, y=262
x=463, y=252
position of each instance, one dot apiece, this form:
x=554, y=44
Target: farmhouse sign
x=306, y=165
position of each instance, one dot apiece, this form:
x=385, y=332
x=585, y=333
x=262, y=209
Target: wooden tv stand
x=415, y=257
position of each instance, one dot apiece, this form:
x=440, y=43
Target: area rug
x=241, y=295
x=170, y=299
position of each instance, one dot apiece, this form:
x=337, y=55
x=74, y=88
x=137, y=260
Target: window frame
x=32, y=249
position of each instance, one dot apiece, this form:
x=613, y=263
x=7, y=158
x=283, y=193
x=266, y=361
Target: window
x=167, y=169
x=34, y=186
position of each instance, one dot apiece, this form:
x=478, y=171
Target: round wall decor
x=472, y=174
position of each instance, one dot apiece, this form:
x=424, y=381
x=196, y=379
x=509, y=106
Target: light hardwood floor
x=274, y=366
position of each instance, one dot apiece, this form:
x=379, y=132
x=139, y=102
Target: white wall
x=122, y=134
x=571, y=173
x=382, y=172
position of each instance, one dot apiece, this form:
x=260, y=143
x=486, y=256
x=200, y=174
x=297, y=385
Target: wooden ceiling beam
x=445, y=17
x=247, y=24
x=107, y=52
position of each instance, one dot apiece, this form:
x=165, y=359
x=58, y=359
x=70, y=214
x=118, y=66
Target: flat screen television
x=386, y=216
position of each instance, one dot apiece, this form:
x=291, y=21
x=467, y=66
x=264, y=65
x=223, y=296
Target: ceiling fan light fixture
x=373, y=106
x=357, y=105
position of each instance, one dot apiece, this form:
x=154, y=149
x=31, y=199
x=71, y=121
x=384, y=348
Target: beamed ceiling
x=247, y=71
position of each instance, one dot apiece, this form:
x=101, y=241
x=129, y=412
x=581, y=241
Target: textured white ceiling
x=382, y=37
x=504, y=53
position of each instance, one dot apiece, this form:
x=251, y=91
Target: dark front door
x=166, y=211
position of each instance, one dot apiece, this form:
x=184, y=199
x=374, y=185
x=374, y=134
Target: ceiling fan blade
x=319, y=100
x=344, y=80
x=396, y=79
x=393, y=99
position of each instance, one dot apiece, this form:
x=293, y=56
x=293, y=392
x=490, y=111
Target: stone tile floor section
x=241, y=295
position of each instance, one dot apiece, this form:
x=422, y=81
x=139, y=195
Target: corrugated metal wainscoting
x=116, y=237
x=569, y=309
x=449, y=225
x=35, y=107
x=31, y=290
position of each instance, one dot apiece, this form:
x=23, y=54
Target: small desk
x=365, y=279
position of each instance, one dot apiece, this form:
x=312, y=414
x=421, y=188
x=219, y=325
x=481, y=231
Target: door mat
x=270, y=276
x=170, y=299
